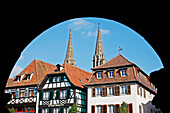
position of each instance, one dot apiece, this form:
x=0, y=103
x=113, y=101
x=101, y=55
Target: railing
x=22, y=100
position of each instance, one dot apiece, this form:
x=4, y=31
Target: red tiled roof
x=75, y=74
x=117, y=61
x=39, y=69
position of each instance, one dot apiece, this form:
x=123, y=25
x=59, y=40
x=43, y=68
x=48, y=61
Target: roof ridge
x=36, y=70
x=79, y=69
x=124, y=58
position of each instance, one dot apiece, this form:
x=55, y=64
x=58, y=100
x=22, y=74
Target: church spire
x=99, y=44
x=99, y=57
x=69, y=55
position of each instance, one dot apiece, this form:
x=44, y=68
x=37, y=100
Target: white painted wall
x=133, y=98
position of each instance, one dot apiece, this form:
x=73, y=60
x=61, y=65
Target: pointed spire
x=99, y=57
x=69, y=55
x=99, y=44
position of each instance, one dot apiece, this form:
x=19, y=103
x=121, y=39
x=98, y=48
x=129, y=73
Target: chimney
x=59, y=67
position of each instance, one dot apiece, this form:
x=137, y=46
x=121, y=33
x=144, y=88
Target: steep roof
x=39, y=69
x=117, y=61
x=75, y=74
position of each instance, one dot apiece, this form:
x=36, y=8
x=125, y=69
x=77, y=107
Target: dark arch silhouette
x=22, y=23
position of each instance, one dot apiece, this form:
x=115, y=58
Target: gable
x=36, y=69
x=55, y=81
x=117, y=61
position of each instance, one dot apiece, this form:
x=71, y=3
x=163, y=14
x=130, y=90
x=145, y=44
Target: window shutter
x=128, y=89
x=116, y=108
x=92, y=109
x=138, y=90
x=62, y=110
x=116, y=90
x=104, y=109
x=93, y=92
x=68, y=93
x=62, y=78
x=130, y=108
x=50, y=110
x=40, y=110
x=144, y=93
x=41, y=95
x=50, y=79
x=104, y=91
x=57, y=94
x=51, y=95
x=127, y=72
x=141, y=91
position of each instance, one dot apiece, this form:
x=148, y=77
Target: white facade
x=134, y=99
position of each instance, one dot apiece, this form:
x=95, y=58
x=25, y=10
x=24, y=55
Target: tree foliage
x=73, y=109
x=123, y=108
x=12, y=110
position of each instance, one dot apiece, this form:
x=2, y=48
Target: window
x=17, y=93
x=63, y=94
x=112, y=109
x=99, y=75
x=46, y=96
x=55, y=79
x=58, y=79
x=18, y=79
x=111, y=74
x=65, y=110
x=26, y=92
x=99, y=91
x=99, y=109
x=123, y=73
x=56, y=110
x=123, y=90
x=111, y=90
x=46, y=110
x=35, y=91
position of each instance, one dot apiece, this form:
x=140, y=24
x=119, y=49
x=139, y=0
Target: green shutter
x=50, y=110
x=62, y=78
x=62, y=110
x=40, y=110
x=57, y=94
x=41, y=95
x=51, y=95
x=50, y=79
x=68, y=93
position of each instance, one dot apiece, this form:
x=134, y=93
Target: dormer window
x=28, y=77
x=111, y=74
x=99, y=75
x=18, y=79
x=123, y=73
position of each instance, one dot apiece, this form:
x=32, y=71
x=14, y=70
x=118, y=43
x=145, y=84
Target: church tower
x=99, y=57
x=69, y=55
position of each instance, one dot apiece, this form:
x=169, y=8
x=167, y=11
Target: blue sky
x=50, y=46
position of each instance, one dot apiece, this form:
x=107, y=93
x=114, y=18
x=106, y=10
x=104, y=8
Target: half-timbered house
x=23, y=87
x=60, y=90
